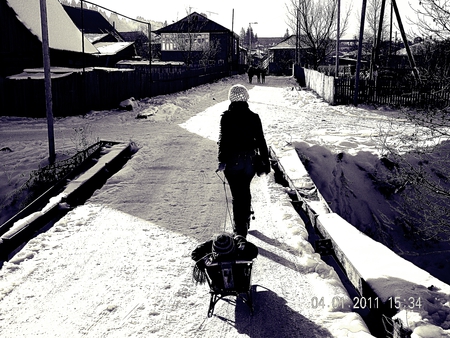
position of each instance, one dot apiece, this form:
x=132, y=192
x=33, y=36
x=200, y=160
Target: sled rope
x=227, y=211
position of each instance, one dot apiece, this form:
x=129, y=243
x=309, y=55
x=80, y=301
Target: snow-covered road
x=120, y=264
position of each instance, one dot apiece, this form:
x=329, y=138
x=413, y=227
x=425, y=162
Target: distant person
x=251, y=73
x=242, y=153
x=263, y=75
x=258, y=74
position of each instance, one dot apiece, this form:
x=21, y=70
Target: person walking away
x=250, y=72
x=263, y=75
x=242, y=152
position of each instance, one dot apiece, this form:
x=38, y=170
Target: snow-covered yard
x=120, y=264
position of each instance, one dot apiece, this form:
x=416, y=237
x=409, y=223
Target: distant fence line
x=337, y=91
x=76, y=93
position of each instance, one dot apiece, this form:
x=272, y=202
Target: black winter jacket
x=241, y=132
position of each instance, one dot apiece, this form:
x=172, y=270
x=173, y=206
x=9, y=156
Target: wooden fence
x=392, y=93
x=321, y=84
x=389, y=92
x=76, y=93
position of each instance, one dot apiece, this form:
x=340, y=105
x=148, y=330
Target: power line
x=110, y=10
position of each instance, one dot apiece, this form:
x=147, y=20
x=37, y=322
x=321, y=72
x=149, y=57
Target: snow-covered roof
x=415, y=49
x=36, y=76
x=111, y=48
x=59, y=72
x=38, y=73
x=145, y=62
x=63, y=34
x=95, y=37
x=288, y=43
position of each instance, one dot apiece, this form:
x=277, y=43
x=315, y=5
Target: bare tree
x=372, y=31
x=209, y=52
x=433, y=18
x=373, y=13
x=422, y=172
x=419, y=158
x=316, y=21
x=432, y=22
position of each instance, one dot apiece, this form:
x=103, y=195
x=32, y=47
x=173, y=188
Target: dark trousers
x=239, y=174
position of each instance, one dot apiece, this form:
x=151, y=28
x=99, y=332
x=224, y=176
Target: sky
x=271, y=20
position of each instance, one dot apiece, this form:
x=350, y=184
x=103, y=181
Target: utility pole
x=297, y=39
x=358, y=62
x=338, y=29
x=48, y=82
x=380, y=29
x=250, y=32
x=405, y=41
x=402, y=31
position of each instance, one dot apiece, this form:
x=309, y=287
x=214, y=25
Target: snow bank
x=421, y=300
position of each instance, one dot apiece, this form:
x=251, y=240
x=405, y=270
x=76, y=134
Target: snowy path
x=101, y=272
x=120, y=265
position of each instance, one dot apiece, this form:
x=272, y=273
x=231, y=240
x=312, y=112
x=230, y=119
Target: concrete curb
x=315, y=207
x=352, y=258
x=74, y=193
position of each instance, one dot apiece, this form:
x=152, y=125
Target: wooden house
x=282, y=56
x=197, y=40
x=108, y=41
x=21, y=39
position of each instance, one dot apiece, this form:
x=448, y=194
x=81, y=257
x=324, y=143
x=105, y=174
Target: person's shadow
x=273, y=318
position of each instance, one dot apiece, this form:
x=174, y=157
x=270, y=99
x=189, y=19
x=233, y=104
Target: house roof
x=194, y=22
x=58, y=72
x=288, y=43
x=269, y=41
x=39, y=73
x=416, y=49
x=93, y=38
x=92, y=22
x=133, y=36
x=63, y=34
x=111, y=48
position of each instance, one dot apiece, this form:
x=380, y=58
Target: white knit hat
x=238, y=93
x=223, y=244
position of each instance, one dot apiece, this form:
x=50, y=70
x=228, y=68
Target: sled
x=229, y=279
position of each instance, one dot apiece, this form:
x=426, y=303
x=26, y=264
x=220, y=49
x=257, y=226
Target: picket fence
x=387, y=92
x=341, y=91
x=78, y=92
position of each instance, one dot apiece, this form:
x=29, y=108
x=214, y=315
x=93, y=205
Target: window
x=184, y=41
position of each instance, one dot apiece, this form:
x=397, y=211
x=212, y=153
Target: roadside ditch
x=74, y=187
